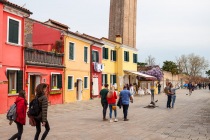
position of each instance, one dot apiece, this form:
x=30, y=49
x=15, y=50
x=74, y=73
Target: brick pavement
x=189, y=120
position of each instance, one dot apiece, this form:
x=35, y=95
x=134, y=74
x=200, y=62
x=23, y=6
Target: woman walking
x=42, y=118
x=111, y=99
x=21, y=106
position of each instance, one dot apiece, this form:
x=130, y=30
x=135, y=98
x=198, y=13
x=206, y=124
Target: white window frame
x=74, y=51
x=20, y=31
x=87, y=82
x=104, y=79
x=72, y=82
x=98, y=55
x=56, y=80
x=13, y=69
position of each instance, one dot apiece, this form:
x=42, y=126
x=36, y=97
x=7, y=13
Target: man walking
x=125, y=96
x=104, y=103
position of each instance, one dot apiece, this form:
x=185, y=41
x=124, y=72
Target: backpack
x=166, y=90
x=11, y=114
x=34, y=107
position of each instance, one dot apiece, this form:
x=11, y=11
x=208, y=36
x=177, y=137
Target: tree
x=208, y=73
x=156, y=72
x=193, y=65
x=171, y=67
x=150, y=60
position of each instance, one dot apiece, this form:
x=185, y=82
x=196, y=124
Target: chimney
x=118, y=39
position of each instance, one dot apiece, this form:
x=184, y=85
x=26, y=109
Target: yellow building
x=77, y=63
x=116, y=70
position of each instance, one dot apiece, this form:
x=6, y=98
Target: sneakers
x=111, y=121
x=115, y=120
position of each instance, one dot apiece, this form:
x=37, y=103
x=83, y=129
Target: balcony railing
x=43, y=58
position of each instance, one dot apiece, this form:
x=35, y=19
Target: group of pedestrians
x=21, y=109
x=170, y=91
x=109, y=99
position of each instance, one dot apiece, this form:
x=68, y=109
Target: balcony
x=43, y=58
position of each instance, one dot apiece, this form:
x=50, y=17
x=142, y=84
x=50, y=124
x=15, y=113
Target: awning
x=3, y=77
x=36, y=73
x=147, y=77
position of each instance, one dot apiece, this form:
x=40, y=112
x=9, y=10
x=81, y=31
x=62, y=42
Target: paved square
x=189, y=120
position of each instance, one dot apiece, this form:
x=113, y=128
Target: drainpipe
x=91, y=71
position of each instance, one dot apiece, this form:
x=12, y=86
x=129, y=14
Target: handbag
x=114, y=107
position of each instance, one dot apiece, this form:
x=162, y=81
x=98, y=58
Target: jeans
x=38, y=130
x=158, y=90
x=169, y=101
x=173, y=99
x=19, y=133
x=110, y=111
x=125, y=111
x=105, y=106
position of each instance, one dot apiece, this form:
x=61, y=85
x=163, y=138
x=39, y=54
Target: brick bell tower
x=122, y=21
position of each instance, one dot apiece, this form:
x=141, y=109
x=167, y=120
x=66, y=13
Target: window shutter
x=128, y=56
x=97, y=56
x=114, y=79
x=85, y=54
x=136, y=56
x=59, y=81
x=107, y=53
x=125, y=56
x=104, y=53
x=85, y=80
x=13, y=31
x=105, y=79
x=69, y=82
x=110, y=80
x=114, y=56
x=71, y=51
x=52, y=80
x=19, y=80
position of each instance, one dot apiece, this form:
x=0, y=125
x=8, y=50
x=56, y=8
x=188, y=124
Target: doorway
x=95, y=87
x=79, y=89
x=34, y=81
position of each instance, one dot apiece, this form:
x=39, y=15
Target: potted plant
x=58, y=45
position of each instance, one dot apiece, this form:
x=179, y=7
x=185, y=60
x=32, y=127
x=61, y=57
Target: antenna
x=24, y=5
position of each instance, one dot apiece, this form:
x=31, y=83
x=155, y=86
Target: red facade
x=11, y=52
x=43, y=65
x=96, y=75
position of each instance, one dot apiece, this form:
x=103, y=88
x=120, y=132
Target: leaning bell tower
x=122, y=21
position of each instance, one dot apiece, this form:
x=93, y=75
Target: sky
x=166, y=29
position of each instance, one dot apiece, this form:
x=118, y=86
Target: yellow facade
x=76, y=68
x=120, y=65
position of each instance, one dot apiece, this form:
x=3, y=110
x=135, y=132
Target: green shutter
x=97, y=56
x=52, y=80
x=110, y=80
x=19, y=81
x=136, y=58
x=125, y=56
x=69, y=82
x=13, y=31
x=114, y=56
x=128, y=56
x=71, y=51
x=106, y=79
x=59, y=81
x=85, y=80
x=107, y=53
x=85, y=54
x=104, y=53
x=114, y=79
x=93, y=57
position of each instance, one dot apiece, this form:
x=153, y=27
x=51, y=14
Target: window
x=85, y=82
x=15, y=81
x=113, y=79
x=86, y=54
x=105, y=53
x=104, y=79
x=135, y=59
x=113, y=55
x=14, y=31
x=70, y=82
x=71, y=51
x=95, y=57
x=56, y=81
x=126, y=56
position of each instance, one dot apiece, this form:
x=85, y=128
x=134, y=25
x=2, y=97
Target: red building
x=44, y=58
x=12, y=18
x=96, y=66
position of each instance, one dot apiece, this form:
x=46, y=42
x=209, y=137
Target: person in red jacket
x=111, y=99
x=21, y=107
